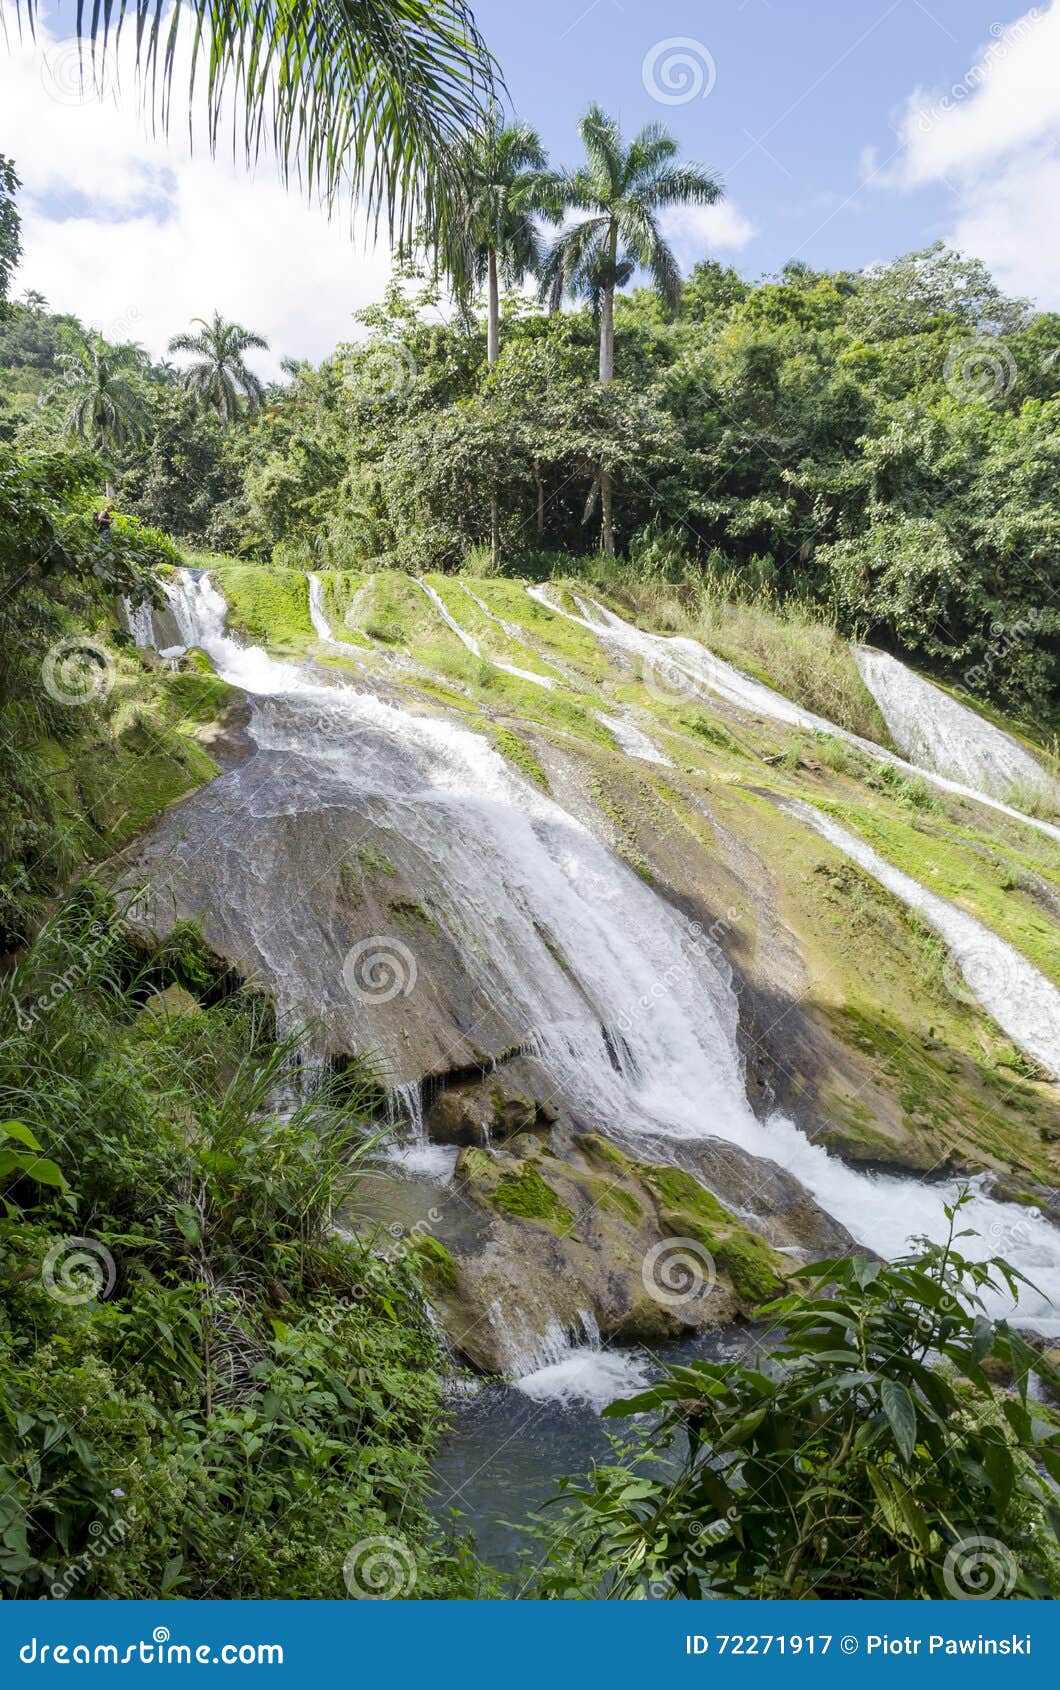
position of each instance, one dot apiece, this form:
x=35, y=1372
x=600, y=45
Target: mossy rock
x=435, y=1262
x=688, y=1210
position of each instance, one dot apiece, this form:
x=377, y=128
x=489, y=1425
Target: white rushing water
x=629, y=1007
x=1021, y=1000
x=678, y=666
x=472, y=645
x=629, y=739
x=935, y=731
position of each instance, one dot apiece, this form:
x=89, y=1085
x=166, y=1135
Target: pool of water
x=510, y=1444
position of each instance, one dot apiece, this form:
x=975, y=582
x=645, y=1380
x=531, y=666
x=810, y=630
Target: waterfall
x=683, y=664
x=630, y=1007
x=1021, y=1000
x=934, y=730
x=317, y=616
x=139, y=620
x=472, y=644
x=630, y=739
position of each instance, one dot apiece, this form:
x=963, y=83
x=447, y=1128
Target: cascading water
x=629, y=1008
x=469, y=641
x=139, y=620
x=629, y=739
x=681, y=664
x=317, y=615
x=936, y=732
x=1020, y=999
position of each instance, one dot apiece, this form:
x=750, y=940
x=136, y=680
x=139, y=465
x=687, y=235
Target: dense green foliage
x=10, y=228
x=881, y=447
x=60, y=577
x=203, y=1389
x=867, y=1455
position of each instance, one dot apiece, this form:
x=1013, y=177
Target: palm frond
x=370, y=97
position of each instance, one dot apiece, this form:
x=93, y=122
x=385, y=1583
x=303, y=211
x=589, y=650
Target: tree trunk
x=493, y=329
x=607, y=336
x=493, y=346
x=607, y=513
x=607, y=373
x=539, y=478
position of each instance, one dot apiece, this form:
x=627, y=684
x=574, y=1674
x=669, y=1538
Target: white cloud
x=989, y=137
x=695, y=231
x=137, y=234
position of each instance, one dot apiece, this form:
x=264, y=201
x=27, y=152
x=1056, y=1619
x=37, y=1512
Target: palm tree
x=507, y=186
x=101, y=386
x=34, y=301
x=492, y=235
x=219, y=377
x=620, y=188
x=370, y=97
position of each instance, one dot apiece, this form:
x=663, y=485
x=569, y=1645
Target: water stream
x=631, y=1012
x=678, y=665
x=936, y=732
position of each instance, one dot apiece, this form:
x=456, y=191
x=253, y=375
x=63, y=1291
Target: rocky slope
x=554, y=876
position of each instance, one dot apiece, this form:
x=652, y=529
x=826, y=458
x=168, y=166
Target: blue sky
x=845, y=135
x=801, y=91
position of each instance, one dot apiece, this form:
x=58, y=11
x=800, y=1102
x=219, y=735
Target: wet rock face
x=483, y=1111
x=569, y=1232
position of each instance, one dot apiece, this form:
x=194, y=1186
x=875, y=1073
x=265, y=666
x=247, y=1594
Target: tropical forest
x=529, y=878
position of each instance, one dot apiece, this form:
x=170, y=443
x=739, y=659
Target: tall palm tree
x=102, y=389
x=34, y=301
x=507, y=186
x=492, y=236
x=220, y=377
x=620, y=188
x=373, y=97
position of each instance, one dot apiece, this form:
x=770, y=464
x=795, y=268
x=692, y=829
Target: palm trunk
x=493, y=346
x=607, y=374
x=493, y=327
x=607, y=335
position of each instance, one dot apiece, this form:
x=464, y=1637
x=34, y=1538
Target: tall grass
x=252, y=1394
